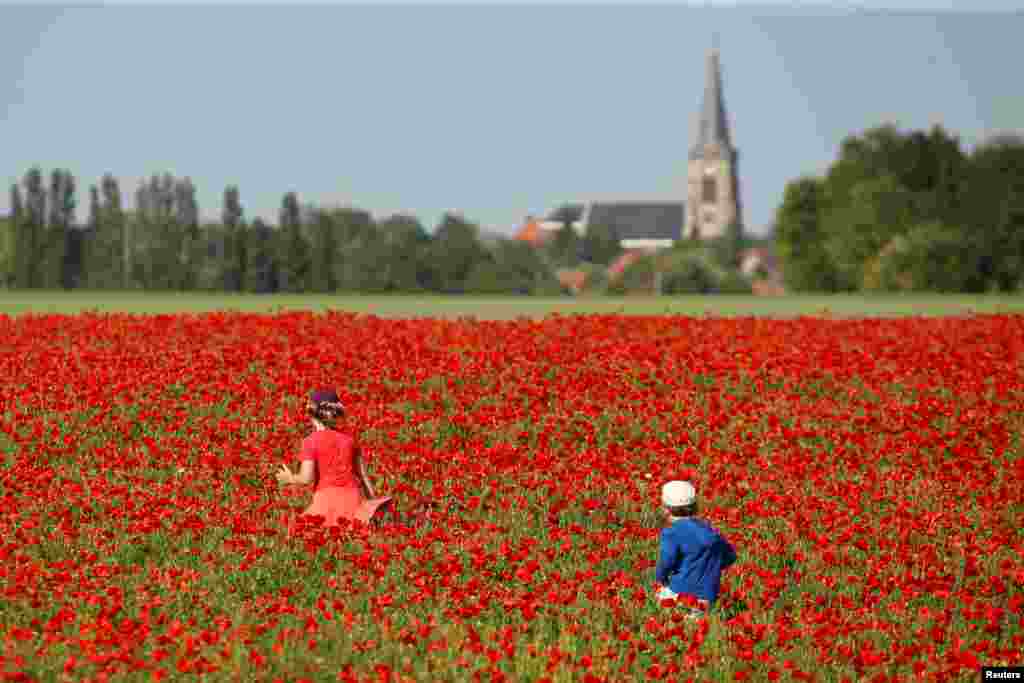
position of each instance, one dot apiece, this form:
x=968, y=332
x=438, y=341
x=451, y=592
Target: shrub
x=689, y=277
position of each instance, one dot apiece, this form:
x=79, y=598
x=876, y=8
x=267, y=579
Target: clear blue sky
x=494, y=110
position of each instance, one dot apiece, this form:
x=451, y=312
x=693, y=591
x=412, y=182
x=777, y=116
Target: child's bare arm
x=306, y=475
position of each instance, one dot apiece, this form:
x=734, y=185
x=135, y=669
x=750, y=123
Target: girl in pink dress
x=332, y=460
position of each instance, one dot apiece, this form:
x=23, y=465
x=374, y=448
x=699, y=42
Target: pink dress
x=337, y=494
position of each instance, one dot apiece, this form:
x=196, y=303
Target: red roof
x=532, y=232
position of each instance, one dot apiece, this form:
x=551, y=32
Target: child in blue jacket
x=693, y=553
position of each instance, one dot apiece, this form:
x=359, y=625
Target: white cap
x=678, y=494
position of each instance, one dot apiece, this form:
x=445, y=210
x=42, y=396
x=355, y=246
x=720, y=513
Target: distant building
x=638, y=224
x=712, y=192
x=758, y=262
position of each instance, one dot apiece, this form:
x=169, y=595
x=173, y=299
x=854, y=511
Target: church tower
x=712, y=197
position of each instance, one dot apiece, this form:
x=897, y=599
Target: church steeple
x=713, y=126
x=713, y=190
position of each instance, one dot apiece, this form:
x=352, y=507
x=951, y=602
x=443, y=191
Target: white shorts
x=666, y=593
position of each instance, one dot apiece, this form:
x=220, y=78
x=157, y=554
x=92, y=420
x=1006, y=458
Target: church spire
x=713, y=127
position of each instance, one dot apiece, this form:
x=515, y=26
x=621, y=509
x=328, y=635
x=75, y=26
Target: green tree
x=13, y=263
x=406, y=242
x=454, y=252
x=164, y=231
x=877, y=210
x=186, y=222
x=931, y=166
x=231, y=251
x=260, y=266
x=92, y=264
x=161, y=237
x=57, y=265
x=689, y=276
x=800, y=239
x=565, y=247
x=355, y=251
x=601, y=245
x=728, y=246
x=733, y=282
x=930, y=257
x=883, y=182
x=32, y=230
x=324, y=250
x=515, y=267
x=7, y=237
x=116, y=242
x=992, y=208
x=372, y=262
x=50, y=218
x=295, y=262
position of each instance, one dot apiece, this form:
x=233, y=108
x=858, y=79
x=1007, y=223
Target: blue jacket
x=693, y=555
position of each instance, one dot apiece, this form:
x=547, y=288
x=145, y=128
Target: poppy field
x=869, y=473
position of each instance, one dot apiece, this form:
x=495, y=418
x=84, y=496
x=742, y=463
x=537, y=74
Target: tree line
x=162, y=244
x=896, y=211
x=905, y=211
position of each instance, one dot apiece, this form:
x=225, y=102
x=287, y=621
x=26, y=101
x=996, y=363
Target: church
x=712, y=193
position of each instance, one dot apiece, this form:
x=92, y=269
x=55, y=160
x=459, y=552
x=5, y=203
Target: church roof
x=567, y=213
x=632, y=220
x=713, y=126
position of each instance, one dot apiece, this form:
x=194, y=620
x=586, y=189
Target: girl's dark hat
x=325, y=396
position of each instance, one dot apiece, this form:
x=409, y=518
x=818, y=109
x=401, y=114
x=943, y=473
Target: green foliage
x=110, y=243
x=514, y=268
x=31, y=222
x=728, y=246
x=733, y=282
x=358, y=247
x=14, y=263
x=294, y=250
x=930, y=166
x=596, y=281
x=325, y=243
x=232, y=256
x=799, y=239
x=932, y=257
x=913, y=194
x=832, y=233
x=404, y=242
x=42, y=230
x=689, y=276
x=454, y=252
x=164, y=228
x=56, y=262
x=996, y=196
x=7, y=254
x=260, y=266
x=206, y=255
x=565, y=247
x=600, y=245
x=687, y=270
x=858, y=226
x=640, y=276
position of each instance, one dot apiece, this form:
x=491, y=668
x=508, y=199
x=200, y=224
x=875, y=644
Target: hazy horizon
x=497, y=111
